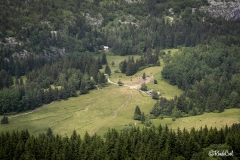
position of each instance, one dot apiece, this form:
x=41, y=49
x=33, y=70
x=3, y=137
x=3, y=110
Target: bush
x=4, y=120
x=137, y=117
x=148, y=123
x=144, y=87
x=155, y=81
x=154, y=95
x=116, y=71
x=173, y=119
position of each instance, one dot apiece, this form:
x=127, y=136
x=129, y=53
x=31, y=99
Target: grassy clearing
x=218, y=120
x=24, y=78
x=111, y=107
x=84, y=113
x=166, y=89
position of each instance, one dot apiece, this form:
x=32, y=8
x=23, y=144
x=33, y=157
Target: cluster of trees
x=68, y=75
x=209, y=76
x=176, y=108
x=140, y=116
x=130, y=67
x=148, y=143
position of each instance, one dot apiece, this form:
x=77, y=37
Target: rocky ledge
x=227, y=10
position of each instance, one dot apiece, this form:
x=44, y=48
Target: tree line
x=130, y=67
x=55, y=81
x=209, y=76
x=147, y=143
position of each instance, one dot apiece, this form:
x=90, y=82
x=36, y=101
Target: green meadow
x=112, y=107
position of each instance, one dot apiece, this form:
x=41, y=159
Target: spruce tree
x=104, y=59
x=107, y=70
x=49, y=132
x=144, y=76
x=137, y=113
x=142, y=118
x=144, y=87
x=123, y=66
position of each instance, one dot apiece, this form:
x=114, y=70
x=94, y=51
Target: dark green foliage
x=49, y=132
x=4, y=120
x=148, y=143
x=130, y=67
x=144, y=87
x=107, y=70
x=208, y=75
x=143, y=118
x=120, y=83
x=144, y=76
x=123, y=66
x=154, y=95
x=137, y=113
x=104, y=59
x=71, y=73
x=155, y=81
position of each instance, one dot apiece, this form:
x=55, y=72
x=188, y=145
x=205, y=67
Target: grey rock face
x=227, y=10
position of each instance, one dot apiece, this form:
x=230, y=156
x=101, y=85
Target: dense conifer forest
x=209, y=76
x=148, y=143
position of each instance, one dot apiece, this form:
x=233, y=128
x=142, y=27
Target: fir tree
x=49, y=132
x=104, y=59
x=107, y=70
x=137, y=113
x=144, y=76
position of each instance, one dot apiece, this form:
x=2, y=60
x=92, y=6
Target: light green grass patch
x=24, y=78
x=111, y=107
x=92, y=112
x=218, y=120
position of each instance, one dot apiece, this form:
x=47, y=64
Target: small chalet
x=105, y=48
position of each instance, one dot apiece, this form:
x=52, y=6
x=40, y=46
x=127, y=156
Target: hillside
x=116, y=72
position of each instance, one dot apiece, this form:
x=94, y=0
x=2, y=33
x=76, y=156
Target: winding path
x=95, y=129
x=132, y=86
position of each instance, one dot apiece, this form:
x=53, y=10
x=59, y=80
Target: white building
x=105, y=48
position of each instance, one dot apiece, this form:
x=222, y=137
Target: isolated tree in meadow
x=107, y=70
x=144, y=87
x=154, y=95
x=155, y=81
x=120, y=83
x=137, y=113
x=144, y=76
